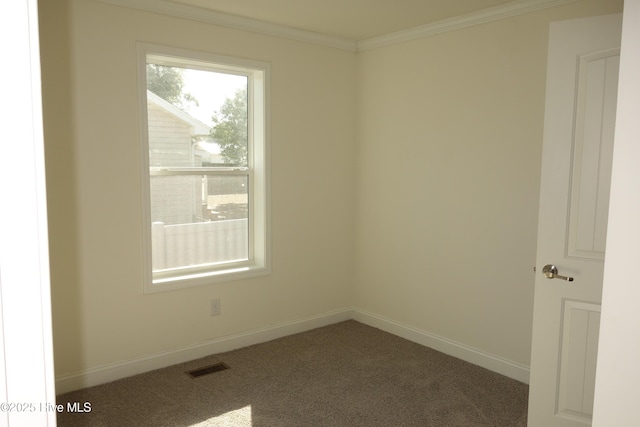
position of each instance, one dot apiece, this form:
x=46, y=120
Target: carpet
x=346, y=374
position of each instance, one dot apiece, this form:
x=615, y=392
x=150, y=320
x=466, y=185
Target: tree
x=230, y=129
x=168, y=84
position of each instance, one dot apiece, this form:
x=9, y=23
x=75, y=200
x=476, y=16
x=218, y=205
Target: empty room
x=390, y=191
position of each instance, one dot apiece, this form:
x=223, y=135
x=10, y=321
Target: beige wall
x=450, y=137
x=93, y=169
x=435, y=229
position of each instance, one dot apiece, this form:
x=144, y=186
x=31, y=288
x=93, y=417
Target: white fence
x=198, y=243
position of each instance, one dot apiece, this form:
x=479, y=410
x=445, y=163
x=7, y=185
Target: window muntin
x=206, y=180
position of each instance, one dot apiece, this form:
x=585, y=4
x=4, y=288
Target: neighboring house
x=209, y=152
x=174, y=200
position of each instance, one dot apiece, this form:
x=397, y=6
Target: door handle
x=551, y=272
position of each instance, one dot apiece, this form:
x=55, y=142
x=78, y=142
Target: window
x=204, y=154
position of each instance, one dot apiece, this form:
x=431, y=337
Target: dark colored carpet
x=347, y=374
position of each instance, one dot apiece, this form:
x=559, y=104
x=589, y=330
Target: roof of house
x=197, y=127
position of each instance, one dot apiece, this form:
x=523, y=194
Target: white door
x=582, y=80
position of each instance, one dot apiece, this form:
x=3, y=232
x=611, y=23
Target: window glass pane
x=196, y=118
x=228, y=197
x=198, y=219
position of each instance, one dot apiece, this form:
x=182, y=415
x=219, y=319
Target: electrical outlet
x=215, y=307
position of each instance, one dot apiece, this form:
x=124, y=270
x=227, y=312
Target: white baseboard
x=500, y=365
x=115, y=371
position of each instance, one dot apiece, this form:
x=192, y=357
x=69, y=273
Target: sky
x=211, y=89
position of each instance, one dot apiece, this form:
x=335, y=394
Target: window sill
x=205, y=278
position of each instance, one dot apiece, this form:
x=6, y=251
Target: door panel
x=597, y=76
x=578, y=349
x=582, y=78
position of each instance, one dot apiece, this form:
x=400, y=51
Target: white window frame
x=257, y=172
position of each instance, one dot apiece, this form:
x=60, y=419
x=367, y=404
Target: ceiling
x=348, y=19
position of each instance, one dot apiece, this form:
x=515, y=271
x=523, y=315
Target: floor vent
x=217, y=367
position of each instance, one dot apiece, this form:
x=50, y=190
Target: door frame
x=618, y=370
x=26, y=343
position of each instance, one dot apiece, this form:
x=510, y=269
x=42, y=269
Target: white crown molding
x=516, y=7
x=181, y=10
